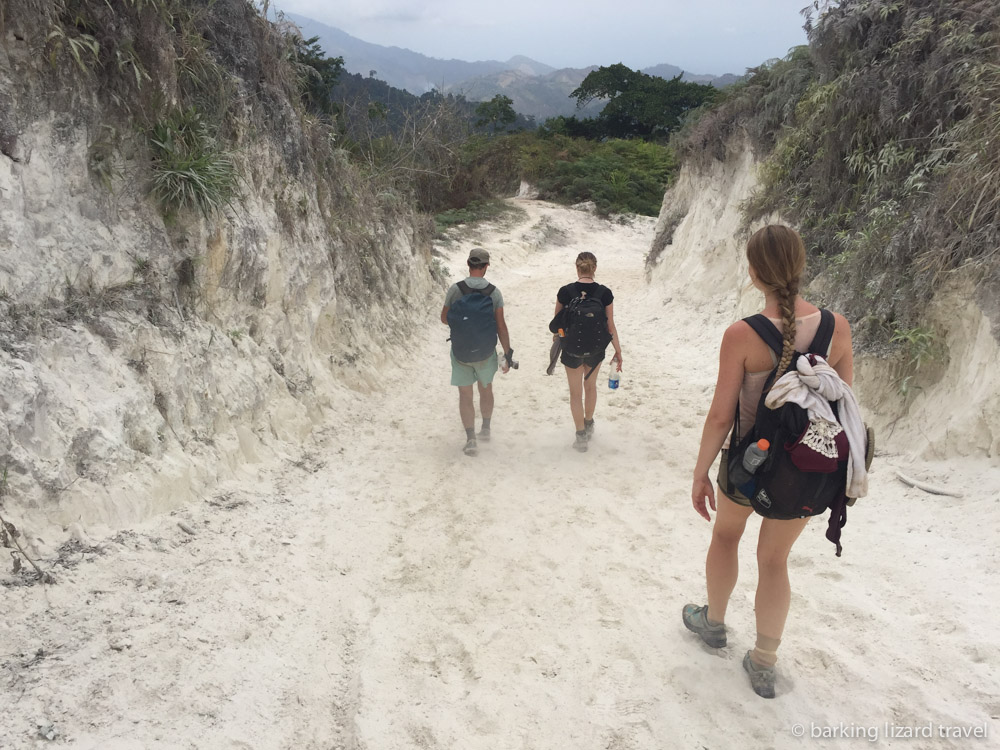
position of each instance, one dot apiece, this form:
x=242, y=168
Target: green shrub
x=618, y=176
x=190, y=170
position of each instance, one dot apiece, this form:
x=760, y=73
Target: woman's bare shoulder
x=738, y=331
x=738, y=339
x=841, y=331
x=839, y=321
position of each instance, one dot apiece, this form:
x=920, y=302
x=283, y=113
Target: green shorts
x=467, y=373
x=738, y=497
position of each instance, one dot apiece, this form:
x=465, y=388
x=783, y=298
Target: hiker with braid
x=777, y=259
x=585, y=310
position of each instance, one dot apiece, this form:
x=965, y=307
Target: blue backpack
x=473, y=324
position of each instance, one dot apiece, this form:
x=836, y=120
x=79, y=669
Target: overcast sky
x=701, y=36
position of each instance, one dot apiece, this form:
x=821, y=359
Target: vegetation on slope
x=451, y=153
x=881, y=141
x=202, y=108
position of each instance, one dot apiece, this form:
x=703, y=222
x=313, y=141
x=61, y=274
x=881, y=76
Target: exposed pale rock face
x=142, y=361
x=949, y=407
x=698, y=250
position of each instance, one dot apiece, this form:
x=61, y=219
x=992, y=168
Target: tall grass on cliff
x=192, y=99
x=882, y=143
x=190, y=171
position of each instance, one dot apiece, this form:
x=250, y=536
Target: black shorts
x=737, y=497
x=572, y=361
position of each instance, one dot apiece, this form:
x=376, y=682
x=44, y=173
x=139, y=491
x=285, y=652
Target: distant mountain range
x=540, y=96
x=536, y=89
x=404, y=68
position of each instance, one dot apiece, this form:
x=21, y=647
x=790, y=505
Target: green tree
x=640, y=105
x=318, y=74
x=496, y=114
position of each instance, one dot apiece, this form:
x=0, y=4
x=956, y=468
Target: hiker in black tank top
x=776, y=258
x=585, y=313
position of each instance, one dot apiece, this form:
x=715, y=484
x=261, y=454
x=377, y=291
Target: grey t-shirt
x=474, y=282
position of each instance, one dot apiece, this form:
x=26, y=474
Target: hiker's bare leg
x=773, y=589
x=590, y=392
x=722, y=566
x=466, y=406
x=485, y=400
x=575, y=377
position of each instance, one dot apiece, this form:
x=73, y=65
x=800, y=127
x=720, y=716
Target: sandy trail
x=384, y=591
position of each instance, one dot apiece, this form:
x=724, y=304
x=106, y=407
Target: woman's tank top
x=753, y=382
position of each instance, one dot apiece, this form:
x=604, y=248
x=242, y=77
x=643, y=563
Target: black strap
x=466, y=289
x=771, y=336
x=767, y=331
x=824, y=334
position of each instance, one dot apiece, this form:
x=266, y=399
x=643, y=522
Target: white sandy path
x=387, y=592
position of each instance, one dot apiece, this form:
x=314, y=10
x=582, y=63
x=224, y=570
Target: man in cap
x=473, y=309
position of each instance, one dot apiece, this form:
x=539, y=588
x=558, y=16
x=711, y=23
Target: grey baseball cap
x=478, y=255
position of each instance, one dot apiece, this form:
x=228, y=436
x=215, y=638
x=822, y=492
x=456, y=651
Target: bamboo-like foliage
x=883, y=146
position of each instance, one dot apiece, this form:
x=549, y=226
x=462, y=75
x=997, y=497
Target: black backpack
x=790, y=483
x=473, y=324
x=586, y=326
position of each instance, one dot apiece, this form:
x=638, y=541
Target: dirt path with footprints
x=382, y=591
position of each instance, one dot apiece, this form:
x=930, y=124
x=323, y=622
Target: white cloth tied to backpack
x=813, y=385
x=821, y=436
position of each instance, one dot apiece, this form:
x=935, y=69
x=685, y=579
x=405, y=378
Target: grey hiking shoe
x=761, y=678
x=588, y=427
x=484, y=434
x=470, y=448
x=696, y=620
x=580, y=443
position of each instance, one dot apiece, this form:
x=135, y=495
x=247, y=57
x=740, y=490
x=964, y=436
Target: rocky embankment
x=147, y=354
x=947, y=404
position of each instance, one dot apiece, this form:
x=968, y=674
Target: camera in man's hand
x=509, y=356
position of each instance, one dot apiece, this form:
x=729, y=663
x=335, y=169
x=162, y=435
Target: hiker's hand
x=617, y=358
x=509, y=359
x=701, y=490
x=504, y=367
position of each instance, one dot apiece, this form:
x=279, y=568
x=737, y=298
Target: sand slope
x=385, y=591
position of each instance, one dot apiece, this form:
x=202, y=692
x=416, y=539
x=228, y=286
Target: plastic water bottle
x=755, y=455
x=614, y=379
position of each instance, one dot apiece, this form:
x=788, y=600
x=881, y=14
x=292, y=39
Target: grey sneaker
x=581, y=441
x=588, y=427
x=761, y=678
x=696, y=620
x=484, y=434
x=470, y=448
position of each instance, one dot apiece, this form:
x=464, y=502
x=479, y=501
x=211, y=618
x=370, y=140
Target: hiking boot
x=484, y=434
x=470, y=448
x=761, y=678
x=588, y=427
x=580, y=443
x=696, y=620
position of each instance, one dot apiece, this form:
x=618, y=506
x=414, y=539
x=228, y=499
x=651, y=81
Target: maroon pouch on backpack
x=819, y=448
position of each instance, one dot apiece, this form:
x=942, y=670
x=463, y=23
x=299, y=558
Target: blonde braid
x=778, y=258
x=786, y=304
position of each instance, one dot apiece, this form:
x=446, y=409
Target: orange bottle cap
x=763, y=444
